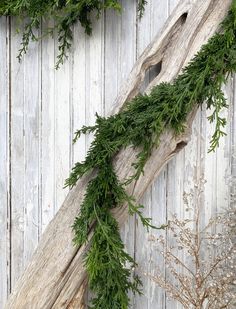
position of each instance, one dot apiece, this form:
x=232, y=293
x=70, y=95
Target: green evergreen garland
x=65, y=14
x=140, y=124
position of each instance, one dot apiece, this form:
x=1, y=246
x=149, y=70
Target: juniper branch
x=140, y=124
x=65, y=13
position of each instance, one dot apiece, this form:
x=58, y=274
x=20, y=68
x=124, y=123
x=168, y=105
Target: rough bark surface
x=55, y=277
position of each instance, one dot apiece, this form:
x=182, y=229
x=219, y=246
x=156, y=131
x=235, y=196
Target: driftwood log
x=55, y=277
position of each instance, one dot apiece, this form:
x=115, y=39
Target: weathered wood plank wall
x=40, y=108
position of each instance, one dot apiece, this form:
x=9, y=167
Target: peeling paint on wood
x=40, y=108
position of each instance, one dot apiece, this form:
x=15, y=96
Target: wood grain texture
x=47, y=133
x=64, y=262
x=62, y=101
x=4, y=163
x=118, y=64
x=153, y=20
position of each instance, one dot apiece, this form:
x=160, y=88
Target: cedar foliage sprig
x=140, y=124
x=65, y=14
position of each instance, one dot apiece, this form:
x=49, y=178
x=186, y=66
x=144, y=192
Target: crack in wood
x=43, y=285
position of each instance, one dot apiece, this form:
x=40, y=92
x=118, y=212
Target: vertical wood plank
x=232, y=182
x=126, y=41
x=142, y=249
x=47, y=131
x=120, y=54
x=157, y=297
x=126, y=59
x=94, y=51
x=4, y=163
x=62, y=114
x=17, y=159
x=223, y=164
x=175, y=180
x=142, y=254
x=233, y=128
x=78, y=91
x=32, y=90
x=155, y=15
x=209, y=169
x=93, y=94
x=79, y=105
x=24, y=154
x=112, y=33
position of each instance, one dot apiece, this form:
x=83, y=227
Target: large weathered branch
x=55, y=278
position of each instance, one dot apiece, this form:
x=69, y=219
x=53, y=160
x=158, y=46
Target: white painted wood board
x=40, y=108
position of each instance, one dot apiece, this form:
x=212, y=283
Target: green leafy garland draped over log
x=65, y=14
x=140, y=124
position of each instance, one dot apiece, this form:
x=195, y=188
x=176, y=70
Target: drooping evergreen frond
x=65, y=14
x=141, y=124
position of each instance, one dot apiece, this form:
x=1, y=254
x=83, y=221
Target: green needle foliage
x=65, y=14
x=140, y=124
